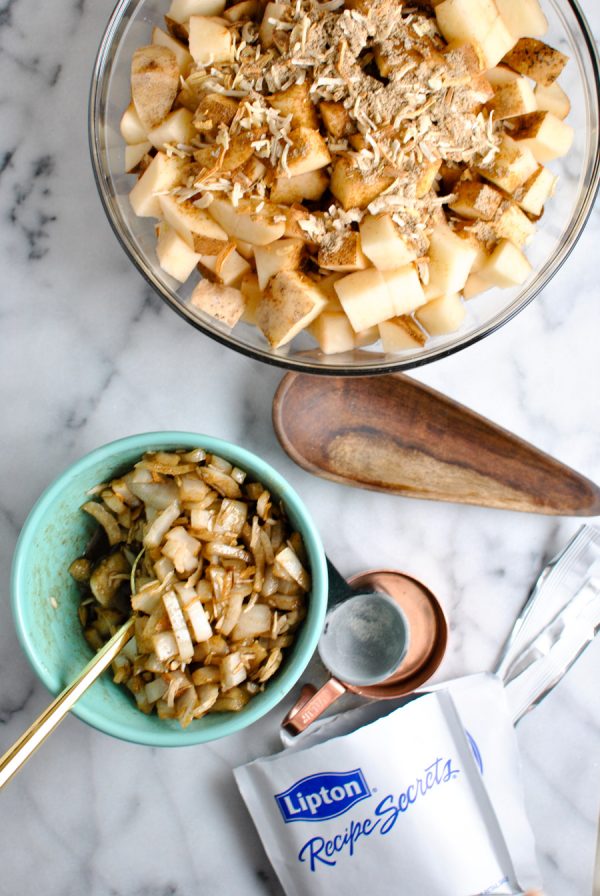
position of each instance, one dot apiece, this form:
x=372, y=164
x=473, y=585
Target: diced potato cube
x=224, y=303
x=536, y=60
x=132, y=129
x=552, y=99
x=443, y=315
x=534, y=192
x=450, y=261
x=462, y=59
x=342, y=252
x=239, y=151
x=242, y=11
x=227, y=268
x=496, y=43
x=507, y=266
x=176, y=128
x=513, y=224
x=174, y=255
x=383, y=243
x=426, y=178
x=154, y=83
x=401, y=334
x=523, y=18
x=308, y=152
x=183, y=57
x=289, y=304
x=365, y=298
x=544, y=134
x=134, y=153
x=511, y=166
x=310, y=186
x=243, y=222
x=214, y=109
x=501, y=75
x=333, y=332
x=475, y=200
x=474, y=286
x=296, y=101
x=210, y=40
x=476, y=22
x=405, y=289
x=273, y=12
x=350, y=186
x=194, y=225
x=182, y=10
x=366, y=337
x=516, y=98
x=282, y=255
x=163, y=173
x=336, y=119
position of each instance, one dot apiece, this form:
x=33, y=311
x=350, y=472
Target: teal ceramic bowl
x=45, y=598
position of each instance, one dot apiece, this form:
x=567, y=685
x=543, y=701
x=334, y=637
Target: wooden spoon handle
x=391, y=433
x=17, y=755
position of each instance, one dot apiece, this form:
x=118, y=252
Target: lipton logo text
x=322, y=796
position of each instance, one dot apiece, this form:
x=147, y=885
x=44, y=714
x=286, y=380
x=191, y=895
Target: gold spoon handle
x=36, y=734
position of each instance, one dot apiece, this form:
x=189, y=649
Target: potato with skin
x=224, y=303
x=154, y=83
x=182, y=55
x=296, y=101
x=547, y=136
x=511, y=167
x=310, y=185
x=350, y=186
x=477, y=22
x=194, y=225
x=344, y=253
x=282, y=255
x=308, y=152
x=228, y=267
x=210, y=40
x=536, y=60
x=214, y=109
x=507, y=266
x=134, y=154
x=516, y=98
x=400, y=334
x=245, y=223
x=289, y=304
x=336, y=119
x=177, y=128
x=475, y=200
x=383, y=244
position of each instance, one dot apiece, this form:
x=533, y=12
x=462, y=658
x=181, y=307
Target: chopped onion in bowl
x=210, y=566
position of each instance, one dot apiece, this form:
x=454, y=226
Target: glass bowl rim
x=101, y=70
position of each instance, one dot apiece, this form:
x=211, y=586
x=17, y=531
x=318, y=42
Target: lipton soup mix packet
x=397, y=806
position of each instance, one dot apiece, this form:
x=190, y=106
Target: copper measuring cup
x=427, y=644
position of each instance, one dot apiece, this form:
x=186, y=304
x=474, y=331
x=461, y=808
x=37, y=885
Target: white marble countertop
x=86, y=358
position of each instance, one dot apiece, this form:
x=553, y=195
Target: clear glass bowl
x=130, y=27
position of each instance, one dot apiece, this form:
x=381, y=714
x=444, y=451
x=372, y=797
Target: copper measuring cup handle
x=312, y=704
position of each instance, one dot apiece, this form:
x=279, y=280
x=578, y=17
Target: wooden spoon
x=393, y=434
